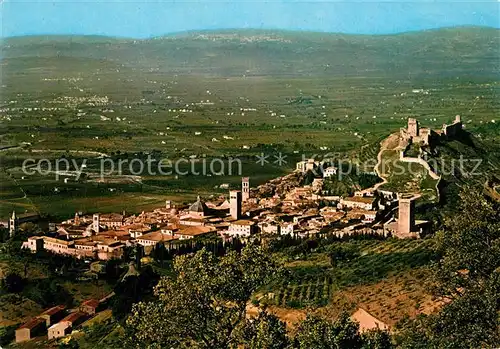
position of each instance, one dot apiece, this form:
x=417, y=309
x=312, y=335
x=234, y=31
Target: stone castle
x=424, y=135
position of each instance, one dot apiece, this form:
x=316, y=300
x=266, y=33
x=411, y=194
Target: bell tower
x=245, y=189
x=235, y=204
x=95, y=222
x=13, y=224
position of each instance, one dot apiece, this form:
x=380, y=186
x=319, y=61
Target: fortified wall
x=413, y=133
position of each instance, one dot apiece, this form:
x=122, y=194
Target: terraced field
x=315, y=283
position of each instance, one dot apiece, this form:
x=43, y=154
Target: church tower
x=13, y=224
x=245, y=189
x=95, y=222
x=235, y=204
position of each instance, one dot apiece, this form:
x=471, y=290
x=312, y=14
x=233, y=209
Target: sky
x=142, y=19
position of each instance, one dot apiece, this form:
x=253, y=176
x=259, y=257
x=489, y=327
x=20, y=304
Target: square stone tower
x=406, y=220
x=13, y=224
x=95, y=222
x=413, y=127
x=235, y=204
x=245, y=188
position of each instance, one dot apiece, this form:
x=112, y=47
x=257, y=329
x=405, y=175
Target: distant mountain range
x=463, y=50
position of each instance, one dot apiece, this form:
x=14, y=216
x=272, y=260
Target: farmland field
x=367, y=280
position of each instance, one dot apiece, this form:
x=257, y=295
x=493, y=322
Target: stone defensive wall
x=420, y=161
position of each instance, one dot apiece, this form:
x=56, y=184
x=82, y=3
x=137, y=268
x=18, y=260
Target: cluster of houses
x=280, y=206
x=58, y=321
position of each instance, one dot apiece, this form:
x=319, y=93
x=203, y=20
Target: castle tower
x=245, y=189
x=77, y=219
x=406, y=220
x=13, y=224
x=95, y=222
x=413, y=127
x=235, y=204
x=168, y=204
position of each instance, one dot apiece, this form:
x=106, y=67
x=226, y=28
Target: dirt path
x=388, y=143
x=391, y=143
x=88, y=152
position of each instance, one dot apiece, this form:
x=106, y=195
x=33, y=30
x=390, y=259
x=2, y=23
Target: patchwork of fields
x=184, y=97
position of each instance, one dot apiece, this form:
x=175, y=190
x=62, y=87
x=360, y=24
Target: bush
x=48, y=292
x=7, y=334
x=13, y=283
x=341, y=253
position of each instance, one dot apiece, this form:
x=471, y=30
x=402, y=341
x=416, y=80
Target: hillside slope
x=468, y=50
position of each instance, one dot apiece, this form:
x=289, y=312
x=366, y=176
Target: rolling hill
x=467, y=50
x=231, y=93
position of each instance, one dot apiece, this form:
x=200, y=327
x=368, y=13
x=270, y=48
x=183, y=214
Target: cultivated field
x=185, y=97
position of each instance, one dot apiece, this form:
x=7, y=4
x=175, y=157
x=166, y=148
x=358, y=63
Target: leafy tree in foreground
x=13, y=283
x=131, y=290
x=205, y=305
x=376, y=339
x=317, y=333
x=265, y=331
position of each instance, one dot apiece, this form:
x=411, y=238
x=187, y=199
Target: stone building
x=307, y=165
x=16, y=220
x=365, y=203
x=235, y=204
x=414, y=134
x=454, y=129
x=406, y=226
x=406, y=214
x=89, y=306
x=34, y=244
x=65, y=326
x=198, y=209
x=30, y=329
x=53, y=314
x=245, y=189
x=242, y=228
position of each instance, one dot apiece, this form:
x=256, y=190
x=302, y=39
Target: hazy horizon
x=141, y=20
x=221, y=30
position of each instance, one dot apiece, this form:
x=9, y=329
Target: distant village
x=282, y=206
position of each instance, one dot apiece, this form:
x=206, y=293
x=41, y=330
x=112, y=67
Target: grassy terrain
x=404, y=177
x=133, y=193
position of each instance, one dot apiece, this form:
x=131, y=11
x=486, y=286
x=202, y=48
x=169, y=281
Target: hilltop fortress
x=426, y=136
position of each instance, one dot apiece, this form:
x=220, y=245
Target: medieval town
x=282, y=206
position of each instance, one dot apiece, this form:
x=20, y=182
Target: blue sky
x=140, y=19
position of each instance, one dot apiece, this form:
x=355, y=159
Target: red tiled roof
x=53, y=310
x=243, y=222
x=360, y=199
x=73, y=317
x=94, y=303
x=32, y=323
x=156, y=236
x=195, y=230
